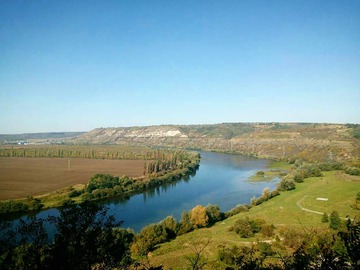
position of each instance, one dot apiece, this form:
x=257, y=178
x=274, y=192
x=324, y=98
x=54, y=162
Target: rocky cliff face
x=274, y=140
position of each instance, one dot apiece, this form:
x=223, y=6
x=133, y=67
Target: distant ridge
x=310, y=141
x=38, y=136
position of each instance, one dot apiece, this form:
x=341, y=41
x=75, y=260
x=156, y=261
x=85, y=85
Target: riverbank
x=281, y=211
x=158, y=173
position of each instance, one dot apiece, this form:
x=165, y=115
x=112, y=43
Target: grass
x=282, y=211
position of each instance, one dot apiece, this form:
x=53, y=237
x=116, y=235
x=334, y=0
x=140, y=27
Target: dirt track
x=22, y=177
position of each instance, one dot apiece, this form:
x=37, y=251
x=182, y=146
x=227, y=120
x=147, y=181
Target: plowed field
x=22, y=177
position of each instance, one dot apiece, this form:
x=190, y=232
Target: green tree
x=148, y=238
x=85, y=237
x=214, y=214
x=325, y=218
x=171, y=226
x=351, y=239
x=335, y=221
x=185, y=223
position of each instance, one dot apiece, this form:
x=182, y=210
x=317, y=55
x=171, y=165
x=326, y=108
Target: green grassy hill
x=284, y=211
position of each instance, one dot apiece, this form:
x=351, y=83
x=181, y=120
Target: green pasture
x=282, y=211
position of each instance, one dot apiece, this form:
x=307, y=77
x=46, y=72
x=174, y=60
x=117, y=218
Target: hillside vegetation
x=287, y=222
x=312, y=142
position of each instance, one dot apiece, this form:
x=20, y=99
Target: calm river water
x=222, y=179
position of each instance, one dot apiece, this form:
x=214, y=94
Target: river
x=222, y=179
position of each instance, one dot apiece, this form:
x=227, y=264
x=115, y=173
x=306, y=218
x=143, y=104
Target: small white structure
x=322, y=199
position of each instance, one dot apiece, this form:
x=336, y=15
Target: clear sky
x=79, y=65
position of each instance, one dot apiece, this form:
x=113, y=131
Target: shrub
x=299, y=178
x=286, y=184
x=306, y=171
x=275, y=193
x=256, y=224
x=267, y=230
x=264, y=248
x=325, y=218
x=335, y=221
x=34, y=204
x=13, y=207
x=243, y=228
x=330, y=166
x=352, y=170
x=238, y=209
x=76, y=193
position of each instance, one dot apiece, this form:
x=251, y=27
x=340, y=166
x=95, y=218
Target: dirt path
x=298, y=203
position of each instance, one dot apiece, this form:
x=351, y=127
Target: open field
x=22, y=177
x=282, y=211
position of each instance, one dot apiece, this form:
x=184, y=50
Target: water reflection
x=222, y=179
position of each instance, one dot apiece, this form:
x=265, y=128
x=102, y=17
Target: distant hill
x=30, y=137
x=317, y=142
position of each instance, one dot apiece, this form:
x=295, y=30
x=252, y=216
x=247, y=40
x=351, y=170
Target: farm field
x=22, y=177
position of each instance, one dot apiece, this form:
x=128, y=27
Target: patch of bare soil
x=22, y=177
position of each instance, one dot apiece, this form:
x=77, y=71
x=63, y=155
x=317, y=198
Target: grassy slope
x=283, y=210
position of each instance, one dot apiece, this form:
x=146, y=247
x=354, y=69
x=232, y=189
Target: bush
x=247, y=228
x=243, y=228
x=306, y=171
x=299, y=178
x=352, y=170
x=325, y=218
x=256, y=224
x=330, y=166
x=286, y=184
x=335, y=221
x=267, y=230
x=275, y=193
x=13, y=207
x=76, y=193
x=238, y=209
x=34, y=204
x=264, y=248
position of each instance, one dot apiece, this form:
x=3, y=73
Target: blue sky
x=79, y=65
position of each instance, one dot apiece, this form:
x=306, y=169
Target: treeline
x=93, y=151
x=159, y=172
